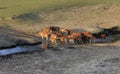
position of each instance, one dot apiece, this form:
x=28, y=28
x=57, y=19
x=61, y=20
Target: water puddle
x=102, y=40
x=22, y=49
x=19, y=49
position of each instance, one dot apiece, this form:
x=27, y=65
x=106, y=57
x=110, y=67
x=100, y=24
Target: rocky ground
x=12, y=38
x=76, y=59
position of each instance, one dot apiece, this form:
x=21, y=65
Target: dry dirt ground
x=73, y=59
x=11, y=38
x=86, y=18
x=79, y=59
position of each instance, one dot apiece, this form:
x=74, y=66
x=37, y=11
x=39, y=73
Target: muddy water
x=103, y=40
x=19, y=49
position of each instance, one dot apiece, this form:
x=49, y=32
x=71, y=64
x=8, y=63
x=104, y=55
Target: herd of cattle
x=55, y=35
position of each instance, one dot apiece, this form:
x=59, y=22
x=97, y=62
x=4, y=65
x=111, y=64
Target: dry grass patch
x=88, y=18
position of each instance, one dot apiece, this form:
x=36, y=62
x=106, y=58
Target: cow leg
x=71, y=41
x=90, y=41
x=66, y=41
x=46, y=37
x=75, y=41
x=42, y=37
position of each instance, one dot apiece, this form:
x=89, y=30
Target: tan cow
x=45, y=33
x=53, y=38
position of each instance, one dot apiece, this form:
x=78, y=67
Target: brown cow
x=62, y=39
x=75, y=37
x=52, y=38
x=88, y=34
x=45, y=33
x=87, y=37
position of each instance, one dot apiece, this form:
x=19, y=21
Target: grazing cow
x=45, y=33
x=53, y=38
x=62, y=39
x=54, y=28
x=88, y=34
x=75, y=37
x=87, y=37
x=101, y=35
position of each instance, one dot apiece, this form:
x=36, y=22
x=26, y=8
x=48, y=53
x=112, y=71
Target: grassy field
x=75, y=14
x=9, y=8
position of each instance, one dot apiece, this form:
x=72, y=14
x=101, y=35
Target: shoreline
x=10, y=38
x=13, y=46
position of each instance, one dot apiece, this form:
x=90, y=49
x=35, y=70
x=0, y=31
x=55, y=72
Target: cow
x=45, y=33
x=62, y=39
x=75, y=37
x=53, y=38
x=87, y=37
x=54, y=28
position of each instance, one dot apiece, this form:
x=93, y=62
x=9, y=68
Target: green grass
x=9, y=8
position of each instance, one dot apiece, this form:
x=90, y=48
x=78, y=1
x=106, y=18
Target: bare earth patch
x=82, y=59
x=12, y=38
